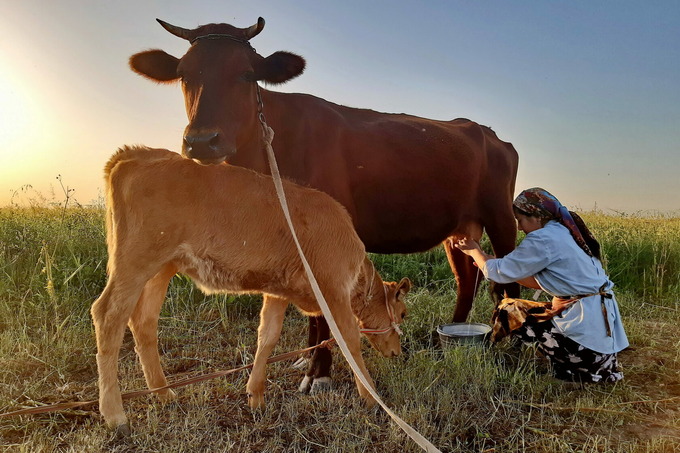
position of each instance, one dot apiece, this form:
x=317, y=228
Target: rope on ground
x=176, y=384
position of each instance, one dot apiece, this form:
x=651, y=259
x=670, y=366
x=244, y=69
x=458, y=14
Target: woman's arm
x=471, y=248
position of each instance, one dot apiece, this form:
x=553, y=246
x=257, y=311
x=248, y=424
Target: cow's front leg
x=271, y=321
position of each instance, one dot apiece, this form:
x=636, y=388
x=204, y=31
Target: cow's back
x=408, y=182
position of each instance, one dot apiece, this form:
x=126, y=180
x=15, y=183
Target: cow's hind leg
x=144, y=326
x=271, y=322
x=318, y=376
x=306, y=360
x=109, y=314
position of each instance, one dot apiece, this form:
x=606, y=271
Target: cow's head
x=219, y=75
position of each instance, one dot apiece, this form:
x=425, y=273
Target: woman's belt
x=566, y=301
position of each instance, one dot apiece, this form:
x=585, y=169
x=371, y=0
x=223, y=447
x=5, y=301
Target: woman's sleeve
x=529, y=258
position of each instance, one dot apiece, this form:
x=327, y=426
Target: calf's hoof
x=122, y=432
x=256, y=401
x=117, y=421
x=321, y=385
x=369, y=402
x=167, y=396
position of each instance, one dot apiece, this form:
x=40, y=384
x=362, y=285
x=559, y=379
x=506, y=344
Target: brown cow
x=223, y=226
x=409, y=183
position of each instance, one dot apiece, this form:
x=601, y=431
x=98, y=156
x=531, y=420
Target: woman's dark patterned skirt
x=570, y=361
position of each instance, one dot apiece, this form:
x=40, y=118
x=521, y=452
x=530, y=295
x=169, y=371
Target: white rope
x=415, y=435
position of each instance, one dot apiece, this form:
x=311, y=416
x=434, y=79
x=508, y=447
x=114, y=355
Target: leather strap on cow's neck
x=223, y=36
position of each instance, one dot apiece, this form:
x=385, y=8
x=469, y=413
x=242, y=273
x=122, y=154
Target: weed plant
x=479, y=398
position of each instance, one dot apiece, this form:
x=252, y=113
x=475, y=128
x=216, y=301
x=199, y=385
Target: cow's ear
x=403, y=288
x=279, y=67
x=155, y=65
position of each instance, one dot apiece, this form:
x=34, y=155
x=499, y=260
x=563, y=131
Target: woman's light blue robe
x=563, y=269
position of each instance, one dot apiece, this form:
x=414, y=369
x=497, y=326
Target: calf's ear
x=403, y=288
x=279, y=67
x=155, y=65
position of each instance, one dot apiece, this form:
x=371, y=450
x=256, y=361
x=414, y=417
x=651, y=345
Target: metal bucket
x=462, y=333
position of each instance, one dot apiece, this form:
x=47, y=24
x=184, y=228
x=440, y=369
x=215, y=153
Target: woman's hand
x=471, y=248
x=467, y=246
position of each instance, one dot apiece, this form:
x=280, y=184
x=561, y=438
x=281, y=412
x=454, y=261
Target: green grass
x=52, y=266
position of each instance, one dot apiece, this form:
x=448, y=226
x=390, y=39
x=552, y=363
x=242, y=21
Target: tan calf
x=223, y=227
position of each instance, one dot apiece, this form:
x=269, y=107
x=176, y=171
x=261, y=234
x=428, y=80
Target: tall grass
x=52, y=266
x=642, y=254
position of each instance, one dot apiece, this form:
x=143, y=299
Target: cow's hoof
x=301, y=363
x=123, y=432
x=321, y=385
x=306, y=384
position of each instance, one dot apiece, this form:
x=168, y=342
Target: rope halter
x=394, y=325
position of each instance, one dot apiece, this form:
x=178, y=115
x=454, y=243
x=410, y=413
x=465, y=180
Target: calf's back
x=223, y=225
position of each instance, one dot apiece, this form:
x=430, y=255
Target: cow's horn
x=177, y=31
x=254, y=30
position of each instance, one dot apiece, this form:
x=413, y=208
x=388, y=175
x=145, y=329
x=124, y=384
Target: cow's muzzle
x=206, y=148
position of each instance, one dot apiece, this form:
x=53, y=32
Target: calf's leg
x=347, y=324
x=144, y=326
x=109, y=314
x=271, y=322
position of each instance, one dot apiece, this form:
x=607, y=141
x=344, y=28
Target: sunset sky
x=588, y=92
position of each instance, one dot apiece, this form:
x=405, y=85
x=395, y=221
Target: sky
x=588, y=92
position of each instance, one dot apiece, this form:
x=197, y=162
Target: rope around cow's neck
x=268, y=137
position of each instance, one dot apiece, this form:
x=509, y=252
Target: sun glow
x=15, y=112
x=24, y=135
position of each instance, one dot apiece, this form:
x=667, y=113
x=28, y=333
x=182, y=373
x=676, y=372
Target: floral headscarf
x=539, y=202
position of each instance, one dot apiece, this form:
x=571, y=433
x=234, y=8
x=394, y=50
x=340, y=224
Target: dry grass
x=464, y=399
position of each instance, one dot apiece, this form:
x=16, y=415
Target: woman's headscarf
x=539, y=202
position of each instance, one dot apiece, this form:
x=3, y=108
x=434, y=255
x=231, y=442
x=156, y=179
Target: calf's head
x=379, y=306
x=219, y=75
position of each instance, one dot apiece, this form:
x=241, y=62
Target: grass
x=52, y=266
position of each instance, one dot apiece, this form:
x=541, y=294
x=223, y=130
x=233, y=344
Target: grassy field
x=481, y=399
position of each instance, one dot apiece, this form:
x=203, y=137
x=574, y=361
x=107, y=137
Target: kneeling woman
x=560, y=256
